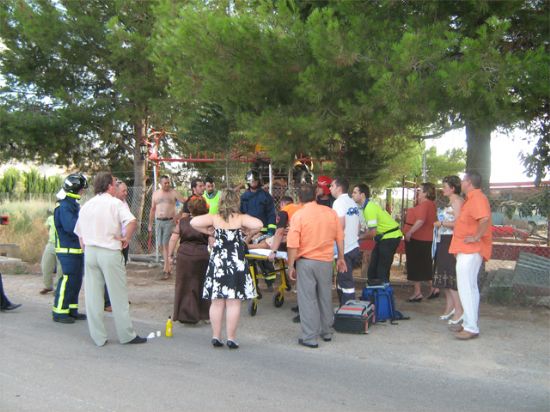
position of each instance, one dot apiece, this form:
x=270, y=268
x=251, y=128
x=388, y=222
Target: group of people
x=215, y=229
x=325, y=223
x=446, y=249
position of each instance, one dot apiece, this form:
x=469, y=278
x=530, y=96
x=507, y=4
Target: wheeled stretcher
x=280, y=264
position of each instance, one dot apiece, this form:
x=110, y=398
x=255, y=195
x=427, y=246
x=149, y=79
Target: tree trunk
x=140, y=167
x=478, y=152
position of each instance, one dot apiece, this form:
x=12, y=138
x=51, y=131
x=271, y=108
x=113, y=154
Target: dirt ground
x=152, y=299
x=506, y=369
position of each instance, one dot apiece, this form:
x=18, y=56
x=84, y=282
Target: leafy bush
x=26, y=227
x=9, y=180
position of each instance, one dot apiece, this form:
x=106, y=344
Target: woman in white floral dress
x=228, y=280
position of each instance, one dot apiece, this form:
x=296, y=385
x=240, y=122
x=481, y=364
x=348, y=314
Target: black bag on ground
x=354, y=316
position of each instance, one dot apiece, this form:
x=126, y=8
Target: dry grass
x=26, y=227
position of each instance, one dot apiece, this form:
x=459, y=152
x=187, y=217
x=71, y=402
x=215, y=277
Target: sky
x=506, y=165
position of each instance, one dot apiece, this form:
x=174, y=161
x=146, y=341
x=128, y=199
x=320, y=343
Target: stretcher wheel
x=278, y=299
x=252, y=307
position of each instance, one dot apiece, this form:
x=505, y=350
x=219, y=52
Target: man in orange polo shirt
x=310, y=244
x=472, y=243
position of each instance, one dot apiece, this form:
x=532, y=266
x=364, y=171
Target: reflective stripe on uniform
x=77, y=197
x=68, y=250
x=73, y=306
x=62, y=288
x=346, y=290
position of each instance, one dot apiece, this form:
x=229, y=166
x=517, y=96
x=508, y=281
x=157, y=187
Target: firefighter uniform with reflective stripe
x=260, y=204
x=70, y=256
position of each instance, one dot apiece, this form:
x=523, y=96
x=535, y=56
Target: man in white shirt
x=99, y=230
x=348, y=213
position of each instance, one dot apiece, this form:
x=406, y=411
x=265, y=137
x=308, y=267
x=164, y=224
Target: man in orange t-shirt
x=472, y=243
x=310, y=244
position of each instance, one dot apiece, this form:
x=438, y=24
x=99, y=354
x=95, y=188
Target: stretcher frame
x=281, y=269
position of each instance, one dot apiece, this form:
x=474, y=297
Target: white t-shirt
x=346, y=207
x=100, y=220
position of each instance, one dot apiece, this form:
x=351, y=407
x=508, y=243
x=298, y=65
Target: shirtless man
x=163, y=212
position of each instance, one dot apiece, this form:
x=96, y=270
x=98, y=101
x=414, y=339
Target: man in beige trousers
x=99, y=230
x=51, y=268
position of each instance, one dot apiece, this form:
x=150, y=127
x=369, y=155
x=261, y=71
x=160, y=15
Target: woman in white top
x=445, y=263
x=228, y=279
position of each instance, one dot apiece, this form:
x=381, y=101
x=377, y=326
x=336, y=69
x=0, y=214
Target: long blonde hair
x=230, y=203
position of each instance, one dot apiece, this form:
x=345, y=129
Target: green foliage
x=452, y=162
x=537, y=163
x=33, y=181
x=9, y=179
x=295, y=83
x=78, y=83
x=537, y=204
x=53, y=184
x=478, y=64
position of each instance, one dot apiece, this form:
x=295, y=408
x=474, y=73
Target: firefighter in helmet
x=68, y=250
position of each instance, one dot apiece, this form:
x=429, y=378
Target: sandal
x=416, y=298
x=447, y=316
x=434, y=294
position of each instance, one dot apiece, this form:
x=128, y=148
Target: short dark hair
x=363, y=188
x=194, y=182
x=165, y=177
x=102, y=182
x=306, y=193
x=454, y=183
x=474, y=177
x=429, y=189
x=342, y=182
x=286, y=199
x=209, y=180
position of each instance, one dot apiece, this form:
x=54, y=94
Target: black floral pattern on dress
x=228, y=274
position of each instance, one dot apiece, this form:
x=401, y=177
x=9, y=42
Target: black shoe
x=296, y=319
x=78, y=316
x=138, y=339
x=259, y=294
x=11, y=306
x=308, y=345
x=66, y=319
x=327, y=339
x=232, y=344
x=216, y=343
x=434, y=295
x=295, y=309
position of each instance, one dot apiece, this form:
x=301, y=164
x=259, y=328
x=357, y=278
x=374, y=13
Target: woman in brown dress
x=418, y=241
x=191, y=265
